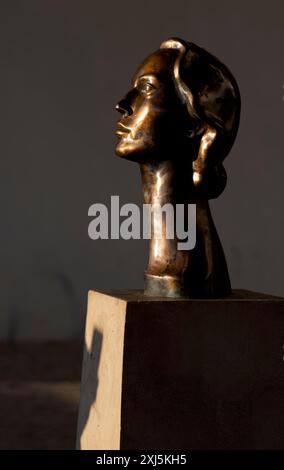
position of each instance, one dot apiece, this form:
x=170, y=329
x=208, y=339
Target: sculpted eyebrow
x=148, y=76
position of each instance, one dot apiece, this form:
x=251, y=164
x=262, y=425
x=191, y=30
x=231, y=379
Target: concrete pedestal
x=182, y=374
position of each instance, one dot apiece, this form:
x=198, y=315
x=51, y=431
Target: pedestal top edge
x=137, y=295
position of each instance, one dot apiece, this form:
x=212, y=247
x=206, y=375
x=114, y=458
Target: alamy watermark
x=171, y=222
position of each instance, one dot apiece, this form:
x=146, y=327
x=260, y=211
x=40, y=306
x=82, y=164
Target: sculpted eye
x=145, y=87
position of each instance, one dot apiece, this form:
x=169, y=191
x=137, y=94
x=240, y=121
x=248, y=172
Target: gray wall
x=63, y=65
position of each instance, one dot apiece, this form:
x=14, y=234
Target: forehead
x=160, y=63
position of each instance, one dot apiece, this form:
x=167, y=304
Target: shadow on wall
x=89, y=383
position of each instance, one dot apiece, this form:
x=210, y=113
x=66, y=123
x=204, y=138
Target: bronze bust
x=179, y=122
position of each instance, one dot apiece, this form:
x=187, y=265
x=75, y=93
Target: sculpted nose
x=124, y=107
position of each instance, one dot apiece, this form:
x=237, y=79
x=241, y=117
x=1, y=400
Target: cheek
x=142, y=126
x=153, y=120
x=164, y=126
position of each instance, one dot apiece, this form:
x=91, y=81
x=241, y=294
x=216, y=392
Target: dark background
x=64, y=64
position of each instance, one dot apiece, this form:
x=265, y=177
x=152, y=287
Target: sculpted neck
x=157, y=182
x=200, y=272
x=165, y=183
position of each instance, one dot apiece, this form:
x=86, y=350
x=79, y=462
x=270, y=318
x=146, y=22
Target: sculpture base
x=161, y=373
x=166, y=286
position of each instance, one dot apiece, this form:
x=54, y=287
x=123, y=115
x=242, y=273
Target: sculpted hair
x=212, y=99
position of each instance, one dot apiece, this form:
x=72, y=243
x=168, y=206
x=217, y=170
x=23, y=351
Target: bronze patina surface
x=179, y=121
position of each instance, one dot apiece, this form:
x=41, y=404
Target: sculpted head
x=183, y=103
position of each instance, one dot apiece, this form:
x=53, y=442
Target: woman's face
x=153, y=118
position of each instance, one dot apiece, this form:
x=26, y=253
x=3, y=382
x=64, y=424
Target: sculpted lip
x=121, y=129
